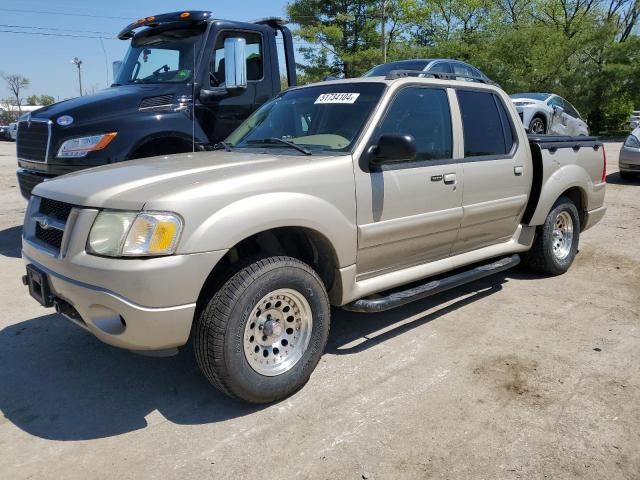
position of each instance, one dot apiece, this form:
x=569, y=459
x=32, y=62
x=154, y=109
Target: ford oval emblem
x=64, y=120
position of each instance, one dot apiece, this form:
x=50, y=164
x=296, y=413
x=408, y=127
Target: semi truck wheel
x=260, y=336
x=556, y=243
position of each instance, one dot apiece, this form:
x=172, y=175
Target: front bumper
x=137, y=304
x=116, y=320
x=629, y=160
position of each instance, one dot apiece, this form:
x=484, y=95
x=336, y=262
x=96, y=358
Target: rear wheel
x=261, y=335
x=556, y=243
x=537, y=126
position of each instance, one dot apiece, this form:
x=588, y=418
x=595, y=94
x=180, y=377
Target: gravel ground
x=516, y=376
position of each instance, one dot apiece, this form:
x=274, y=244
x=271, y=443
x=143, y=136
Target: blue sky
x=46, y=60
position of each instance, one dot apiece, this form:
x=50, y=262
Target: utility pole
x=77, y=63
x=383, y=24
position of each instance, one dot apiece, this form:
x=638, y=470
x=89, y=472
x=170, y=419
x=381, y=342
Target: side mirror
x=116, y=66
x=235, y=59
x=393, y=148
x=557, y=110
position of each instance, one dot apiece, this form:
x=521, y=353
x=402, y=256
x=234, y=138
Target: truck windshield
x=162, y=57
x=324, y=117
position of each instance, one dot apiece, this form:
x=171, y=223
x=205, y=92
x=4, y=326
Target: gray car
x=630, y=156
x=461, y=70
x=5, y=133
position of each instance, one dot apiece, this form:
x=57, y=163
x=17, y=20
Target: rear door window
x=485, y=121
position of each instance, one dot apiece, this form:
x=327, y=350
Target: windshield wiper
x=273, y=140
x=220, y=145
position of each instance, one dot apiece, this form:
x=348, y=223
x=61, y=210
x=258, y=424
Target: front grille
x=47, y=222
x=50, y=236
x=28, y=181
x=33, y=140
x=152, y=104
x=53, y=208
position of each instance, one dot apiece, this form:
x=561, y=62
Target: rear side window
x=487, y=129
x=423, y=113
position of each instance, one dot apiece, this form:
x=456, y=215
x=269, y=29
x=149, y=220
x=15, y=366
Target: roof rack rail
x=395, y=74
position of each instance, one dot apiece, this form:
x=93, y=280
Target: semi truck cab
x=186, y=82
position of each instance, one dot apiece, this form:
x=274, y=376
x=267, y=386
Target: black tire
x=541, y=257
x=536, y=120
x=627, y=175
x=220, y=329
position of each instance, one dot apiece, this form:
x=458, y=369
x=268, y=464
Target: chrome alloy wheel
x=562, y=235
x=537, y=126
x=278, y=332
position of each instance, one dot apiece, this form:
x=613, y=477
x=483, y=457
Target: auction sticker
x=337, y=98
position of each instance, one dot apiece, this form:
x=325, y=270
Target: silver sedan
x=630, y=155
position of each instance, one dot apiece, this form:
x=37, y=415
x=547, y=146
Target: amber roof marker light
x=185, y=15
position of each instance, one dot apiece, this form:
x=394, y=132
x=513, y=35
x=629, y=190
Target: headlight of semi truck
x=134, y=234
x=632, y=142
x=80, y=147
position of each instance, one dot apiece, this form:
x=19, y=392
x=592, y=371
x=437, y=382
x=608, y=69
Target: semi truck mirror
x=235, y=58
x=116, y=66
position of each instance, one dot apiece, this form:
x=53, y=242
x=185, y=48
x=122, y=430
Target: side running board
x=400, y=298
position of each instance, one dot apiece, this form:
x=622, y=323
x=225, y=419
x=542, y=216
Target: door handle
x=518, y=171
x=450, y=178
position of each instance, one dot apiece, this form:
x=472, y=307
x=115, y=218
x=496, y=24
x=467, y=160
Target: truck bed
x=554, y=157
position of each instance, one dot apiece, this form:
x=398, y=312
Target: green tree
x=42, y=100
x=339, y=36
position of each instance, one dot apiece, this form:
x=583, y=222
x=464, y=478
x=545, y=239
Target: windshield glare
x=165, y=57
x=327, y=117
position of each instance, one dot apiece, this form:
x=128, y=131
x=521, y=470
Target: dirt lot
x=517, y=376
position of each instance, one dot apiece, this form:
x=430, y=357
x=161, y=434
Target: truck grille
x=47, y=222
x=51, y=237
x=28, y=181
x=53, y=208
x=33, y=140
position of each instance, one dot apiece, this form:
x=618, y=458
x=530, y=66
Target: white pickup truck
x=340, y=193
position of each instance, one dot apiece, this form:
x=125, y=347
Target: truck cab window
x=423, y=113
x=480, y=116
x=161, y=57
x=254, y=56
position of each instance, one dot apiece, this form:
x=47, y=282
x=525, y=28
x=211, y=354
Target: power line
x=57, y=29
x=57, y=34
x=47, y=12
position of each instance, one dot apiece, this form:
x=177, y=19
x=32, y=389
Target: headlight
x=79, y=147
x=632, y=142
x=133, y=234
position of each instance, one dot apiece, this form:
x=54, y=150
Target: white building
x=13, y=108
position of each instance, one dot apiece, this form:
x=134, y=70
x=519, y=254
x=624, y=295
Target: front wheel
x=556, y=243
x=260, y=336
x=627, y=175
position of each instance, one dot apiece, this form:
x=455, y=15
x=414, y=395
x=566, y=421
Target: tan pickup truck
x=340, y=193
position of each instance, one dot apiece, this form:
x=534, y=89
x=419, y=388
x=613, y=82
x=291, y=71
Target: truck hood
x=112, y=102
x=132, y=185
